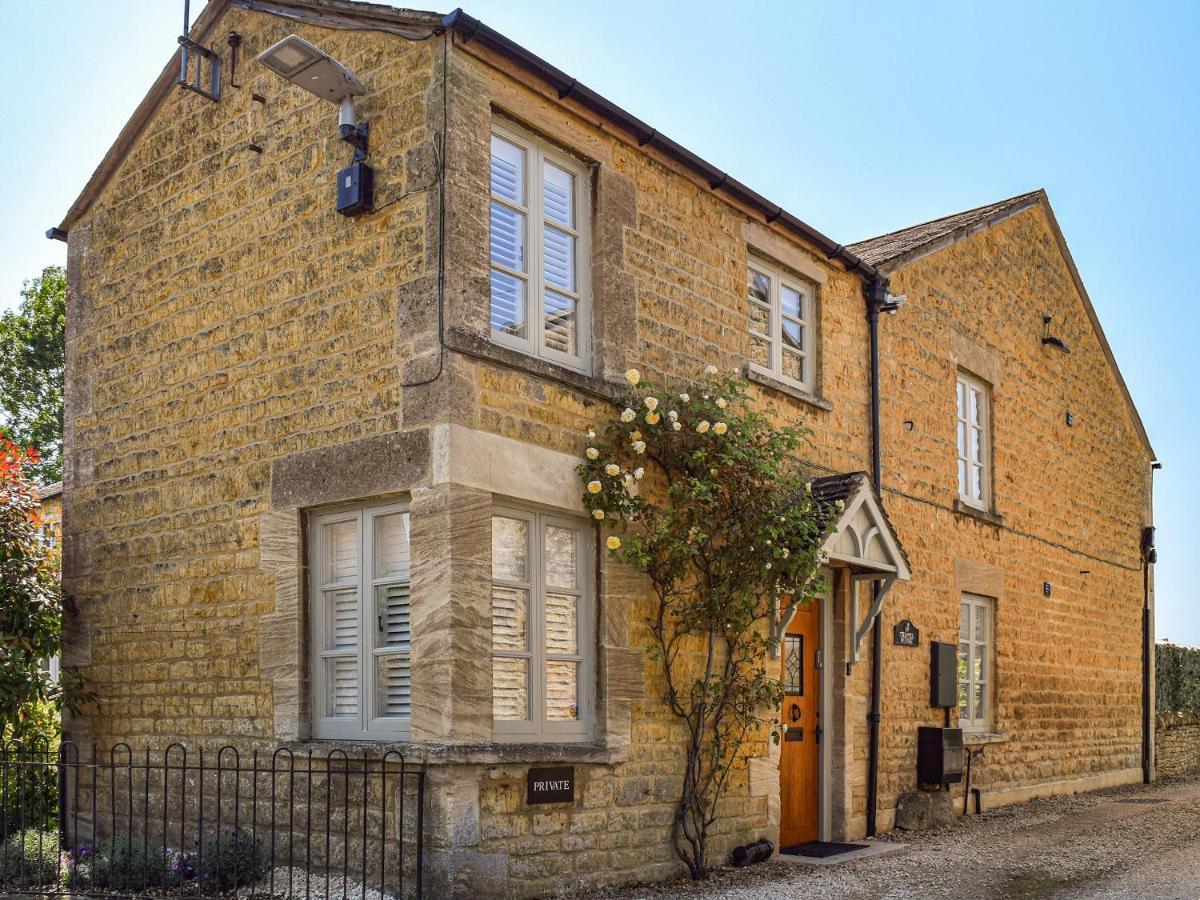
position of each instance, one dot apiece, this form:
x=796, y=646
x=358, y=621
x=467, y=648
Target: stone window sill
x=759, y=376
x=990, y=737
x=496, y=753
x=983, y=515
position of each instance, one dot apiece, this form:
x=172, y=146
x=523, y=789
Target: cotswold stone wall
x=1177, y=744
x=1070, y=501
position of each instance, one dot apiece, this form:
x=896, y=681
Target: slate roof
x=46, y=491
x=896, y=244
x=829, y=489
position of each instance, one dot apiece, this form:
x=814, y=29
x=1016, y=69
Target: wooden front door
x=799, y=760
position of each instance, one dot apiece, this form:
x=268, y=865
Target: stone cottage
x=320, y=484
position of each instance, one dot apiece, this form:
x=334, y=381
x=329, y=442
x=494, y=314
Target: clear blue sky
x=859, y=118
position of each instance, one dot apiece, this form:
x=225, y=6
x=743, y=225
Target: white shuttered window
x=541, y=626
x=361, y=583
x=539, y=271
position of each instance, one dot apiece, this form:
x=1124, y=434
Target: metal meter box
x=940, y=755
x=943, y=674
x=355, y=189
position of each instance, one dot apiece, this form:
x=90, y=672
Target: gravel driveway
x=1134, y=841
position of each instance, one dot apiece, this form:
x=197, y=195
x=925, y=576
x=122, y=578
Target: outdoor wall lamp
x=1050, y=339
x=308, y=66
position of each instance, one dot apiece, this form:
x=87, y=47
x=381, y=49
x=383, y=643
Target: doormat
x=821, y=849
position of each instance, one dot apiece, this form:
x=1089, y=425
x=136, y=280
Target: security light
x=308, y=66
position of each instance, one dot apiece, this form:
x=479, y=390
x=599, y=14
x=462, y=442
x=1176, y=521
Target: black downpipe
x=876, y=294
x=1149, y=557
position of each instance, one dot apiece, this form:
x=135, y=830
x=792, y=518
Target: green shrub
x=29, y=857
x=125, y=863
x=29, y=794
x=231, y=859
x=1177, y=678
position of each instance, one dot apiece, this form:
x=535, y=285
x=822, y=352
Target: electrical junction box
x=943, y=674
x=355, y=189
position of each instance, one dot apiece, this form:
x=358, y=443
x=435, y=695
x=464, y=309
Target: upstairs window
x=782, y=315
x=360, y=591
x=539, y=270
x=542, y=629
x=974, y=452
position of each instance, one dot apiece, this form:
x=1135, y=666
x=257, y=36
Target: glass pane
x=561, y=568
x=510, y=618
x=393, y=687
x=510, y=689
x=760, y=318
x=977, y=482
x=962, y=477
x=759, y=287
x=977, y=664
x=962, y=440
x=791, y=302
x=508, y=171
x=976, y=445
x=964, y=622
x=793, y=334
x=964, y=654
x=393, y=604
x=760, y=351
x=341, y=686
x=391, y=545
x=961, y=400
x=963, y=712
x=560, y=313
x=510, y=549
x=979, y=703
x=793, y=664
x=559, y=195
x=981, y=618
x=341, y=620
x=558, y=258
x=341, y=551
x=562, y=695
x=973, y=398
x=794, y=365
x=508, y=237
x=508, y=304
x=561, y=626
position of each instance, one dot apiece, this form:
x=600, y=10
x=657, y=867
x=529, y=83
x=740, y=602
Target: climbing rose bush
x=708, y=497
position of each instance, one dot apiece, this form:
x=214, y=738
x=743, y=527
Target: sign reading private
x=905, y=634
x=553, y=784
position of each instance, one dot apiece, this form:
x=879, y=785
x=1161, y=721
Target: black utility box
x=940, y=755
x=943, y=674
x=355, y=189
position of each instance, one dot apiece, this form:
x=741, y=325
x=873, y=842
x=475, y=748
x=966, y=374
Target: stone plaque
x=905, y=634
x=553, y=784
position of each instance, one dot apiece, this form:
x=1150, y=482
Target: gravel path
x=1134, y=841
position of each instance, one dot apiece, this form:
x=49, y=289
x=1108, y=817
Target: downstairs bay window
x=360, y=586
x=542, y=626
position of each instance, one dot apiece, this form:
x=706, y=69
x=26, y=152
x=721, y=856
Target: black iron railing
x=180, y=822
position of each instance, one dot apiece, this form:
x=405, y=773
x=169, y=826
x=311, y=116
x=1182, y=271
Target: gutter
x=471, y=30
x=876, y=293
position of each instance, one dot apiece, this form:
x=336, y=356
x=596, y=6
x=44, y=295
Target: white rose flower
x=635, y=436
x=722, y=402
x=841, y=504
x=627, y=414
x=612, y=469
x=703, y=426
x=639, y=446
x=676, y=426
x=594, y=487
x=720, y=428
x=593, y=453
x=613, y=543
x=591, y=434
x=767, y=566
x=639, y=472
x=672, y=415
x=652, y=418
x=684, y=397
x=633, y=376
x=652, y=403
x=597, y=514
x=785, y=553
x=710, y=370
x=808, y=486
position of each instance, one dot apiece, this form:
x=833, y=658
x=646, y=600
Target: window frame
x=367, y=725
x=974, y=602
x=537, y=153
x=969, y=383
x=778, y=277
x=538, y=727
